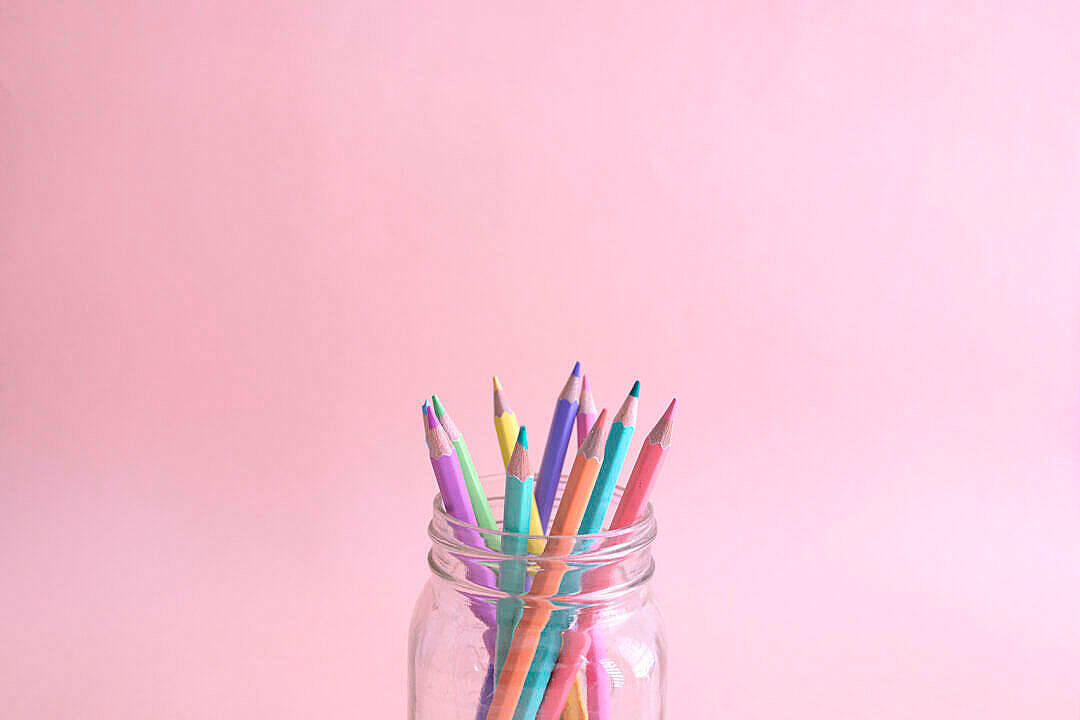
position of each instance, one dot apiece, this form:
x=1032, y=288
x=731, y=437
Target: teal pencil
x=517, y=509
x=618, y=442
x=477, y=498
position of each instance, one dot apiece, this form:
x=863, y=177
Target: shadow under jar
x=604, y=592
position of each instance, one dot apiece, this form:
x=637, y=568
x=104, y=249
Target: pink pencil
x=647, y=468
x=586, y=415
x=574, y=645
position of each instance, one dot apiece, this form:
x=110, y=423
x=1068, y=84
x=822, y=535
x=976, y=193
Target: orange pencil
x=511, y=681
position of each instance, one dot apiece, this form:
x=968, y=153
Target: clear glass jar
x=605, y=592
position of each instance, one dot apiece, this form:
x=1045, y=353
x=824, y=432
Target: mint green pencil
x=517, y=509
x=484, y=518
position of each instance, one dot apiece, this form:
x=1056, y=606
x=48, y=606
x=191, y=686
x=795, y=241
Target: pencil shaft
x=562, y=425
x=477, y=497
x=543, y=663
x=514, y=689
x=506, y=430
x=456, y=502
x=564, y=675
x=584, y=424
x=636, y=496
x=448, y=475
x=597, y=679
x=615, y=450
x=618, y=443
x=547, y=480
x=512, y=573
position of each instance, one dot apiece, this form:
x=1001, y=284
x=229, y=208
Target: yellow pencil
x=576, y=708
x=506, y=429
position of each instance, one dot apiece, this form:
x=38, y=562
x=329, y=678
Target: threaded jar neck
x=594, y=570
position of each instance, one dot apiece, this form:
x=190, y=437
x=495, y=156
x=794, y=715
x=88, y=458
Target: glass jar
x=605, y=593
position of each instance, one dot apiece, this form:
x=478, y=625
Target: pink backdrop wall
x=240, y=243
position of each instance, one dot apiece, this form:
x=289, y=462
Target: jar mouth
x=597, y=546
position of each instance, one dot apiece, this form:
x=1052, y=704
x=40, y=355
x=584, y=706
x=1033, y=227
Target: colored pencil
x=448, y=475
x=562, y=423
x=634, y=500
x=456, y=501
x=506, y=422
x=586, y=414
x=646, y=470
x=618, y=442
x=477, y=496
x=506, y=429
x=597, y=679
x=516, y=503
x=574, y=646
x=511, y=688
x=576, y=707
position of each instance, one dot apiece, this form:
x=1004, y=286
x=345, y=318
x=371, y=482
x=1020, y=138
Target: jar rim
x=640, y=532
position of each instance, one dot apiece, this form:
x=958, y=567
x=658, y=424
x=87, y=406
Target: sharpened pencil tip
x=576, y=372
x=495, y=382
x=430, y=414
x=670, y=409
x=439, y=409
x=523, y=437
x=636, y=390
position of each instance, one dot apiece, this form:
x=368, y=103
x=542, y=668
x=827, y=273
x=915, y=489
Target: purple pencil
x=562, y=424
x=455, y=497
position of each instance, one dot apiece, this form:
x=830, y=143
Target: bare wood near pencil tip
x=451, y=429
x=593, y=445
x=501, y=406
x=438, y=441
x=627, y=414
x=519, y=466
x=572, y=389
x=587, y=405
x=661, y=432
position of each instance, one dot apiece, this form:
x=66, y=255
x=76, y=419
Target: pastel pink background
x=241, y=243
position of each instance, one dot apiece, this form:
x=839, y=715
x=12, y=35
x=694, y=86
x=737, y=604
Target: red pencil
x=646, y=470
